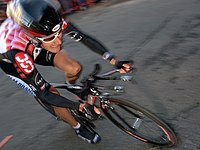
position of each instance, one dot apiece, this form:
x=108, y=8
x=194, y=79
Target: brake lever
x=110, y=72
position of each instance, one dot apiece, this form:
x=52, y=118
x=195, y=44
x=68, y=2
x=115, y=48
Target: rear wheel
x=138, y=122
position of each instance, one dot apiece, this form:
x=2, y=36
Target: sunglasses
x=50, y=38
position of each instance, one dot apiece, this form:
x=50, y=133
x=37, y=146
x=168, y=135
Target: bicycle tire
x=136, y=120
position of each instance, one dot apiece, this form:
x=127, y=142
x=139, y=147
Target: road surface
x=162, y=37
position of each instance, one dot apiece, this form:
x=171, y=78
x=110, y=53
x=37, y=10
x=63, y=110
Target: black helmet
x=39, y=16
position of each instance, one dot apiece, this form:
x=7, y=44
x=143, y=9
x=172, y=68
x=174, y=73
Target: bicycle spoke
x=122, y=119
x=138, y=120
x=128, y=110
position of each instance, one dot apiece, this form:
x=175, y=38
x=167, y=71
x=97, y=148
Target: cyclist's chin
x=54, y=49
x=51, y=48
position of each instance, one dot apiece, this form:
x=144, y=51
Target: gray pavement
x=162, y=37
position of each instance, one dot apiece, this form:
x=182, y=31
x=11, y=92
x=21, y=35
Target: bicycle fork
x=137, y=121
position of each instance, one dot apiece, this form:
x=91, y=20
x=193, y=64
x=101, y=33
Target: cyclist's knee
x=74, y=71
x=77, y=68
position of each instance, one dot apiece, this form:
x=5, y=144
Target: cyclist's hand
x=90, y=111
x=86, y=108
x=124, y=66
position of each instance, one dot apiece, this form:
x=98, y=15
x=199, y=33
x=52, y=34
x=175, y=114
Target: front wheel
x=138, y=122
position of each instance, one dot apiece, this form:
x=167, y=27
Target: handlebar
x=107, y=75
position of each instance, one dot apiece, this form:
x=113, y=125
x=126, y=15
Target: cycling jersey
x=20, y=55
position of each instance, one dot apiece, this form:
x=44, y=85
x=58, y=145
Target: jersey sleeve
x=76, y=34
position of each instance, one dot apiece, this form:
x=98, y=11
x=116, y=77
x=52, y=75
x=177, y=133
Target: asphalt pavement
x=162, y=37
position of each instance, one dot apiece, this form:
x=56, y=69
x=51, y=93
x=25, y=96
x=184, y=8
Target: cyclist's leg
x=63, y=113
x=70, y=66
x=63, y=63
x=10, y=68
x=80, y=129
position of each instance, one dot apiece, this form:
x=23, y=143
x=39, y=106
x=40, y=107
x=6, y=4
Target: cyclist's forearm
x=94, y=45
x=57, y=100
x=42, y=91
x=88, y=41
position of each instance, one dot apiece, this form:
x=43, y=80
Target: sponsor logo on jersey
x=39, y=81
x=36, y=52
x=29, y=88
x=24, y=62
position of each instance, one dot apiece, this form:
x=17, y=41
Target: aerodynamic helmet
x=41, y=17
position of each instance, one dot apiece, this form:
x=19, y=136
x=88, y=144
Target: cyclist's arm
x=25, y=67
x=97, y=47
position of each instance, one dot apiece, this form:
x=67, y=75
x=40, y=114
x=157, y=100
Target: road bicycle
x=128, y=116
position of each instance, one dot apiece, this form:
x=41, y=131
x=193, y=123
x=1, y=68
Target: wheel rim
x=155, y=132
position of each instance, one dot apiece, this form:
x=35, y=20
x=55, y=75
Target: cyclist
x=32, y=34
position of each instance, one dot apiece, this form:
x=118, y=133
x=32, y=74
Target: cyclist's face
x=53, y=42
